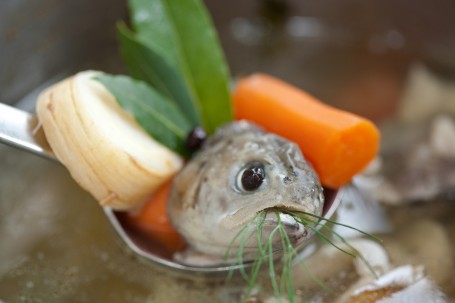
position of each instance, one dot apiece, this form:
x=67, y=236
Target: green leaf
x=182, y=33
x=153, y=28
x=146, y=64
x=158, y=116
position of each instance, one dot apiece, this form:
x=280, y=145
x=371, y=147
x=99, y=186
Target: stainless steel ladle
x=20, y=129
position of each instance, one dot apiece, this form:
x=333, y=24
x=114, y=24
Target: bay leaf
x=146, y=64
x=182, y=32
x=159, y=117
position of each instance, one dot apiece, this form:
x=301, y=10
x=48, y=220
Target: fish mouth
x=272, y=229
x=295, y=230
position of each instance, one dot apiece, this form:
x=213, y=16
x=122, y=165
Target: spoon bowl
x=153, y=252
x=20, y=129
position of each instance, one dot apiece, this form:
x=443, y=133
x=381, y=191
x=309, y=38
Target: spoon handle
x=20, y=129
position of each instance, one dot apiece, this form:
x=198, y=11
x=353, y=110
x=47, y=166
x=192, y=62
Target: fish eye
x=251, y=176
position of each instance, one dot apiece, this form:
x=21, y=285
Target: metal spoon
x=20, y=129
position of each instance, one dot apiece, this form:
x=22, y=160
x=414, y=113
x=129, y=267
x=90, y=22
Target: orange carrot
x=338, y=144
x=153, y=221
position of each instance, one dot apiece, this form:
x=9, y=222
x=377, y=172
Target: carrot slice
x=338, y=144
x=153, y=221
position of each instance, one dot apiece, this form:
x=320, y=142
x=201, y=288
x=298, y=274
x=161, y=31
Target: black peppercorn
x=195, y=139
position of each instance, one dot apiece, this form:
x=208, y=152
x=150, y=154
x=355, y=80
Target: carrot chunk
x=153, y=221
x=338, y=144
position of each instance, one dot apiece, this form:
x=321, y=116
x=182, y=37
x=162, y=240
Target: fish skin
x=209, y=208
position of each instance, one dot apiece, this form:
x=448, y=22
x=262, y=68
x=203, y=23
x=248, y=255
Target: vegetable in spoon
x=152, y=220
x=102, y=146
x=337, y=143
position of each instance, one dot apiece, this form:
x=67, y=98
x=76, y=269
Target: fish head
x=241, y=172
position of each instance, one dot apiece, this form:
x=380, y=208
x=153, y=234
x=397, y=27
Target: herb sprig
x=281, y=278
